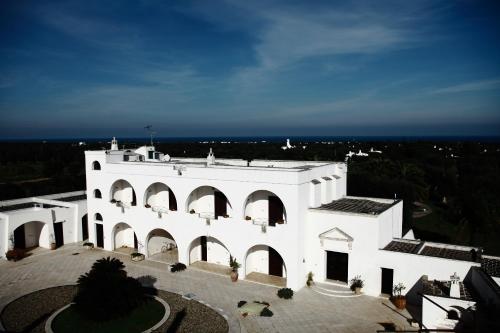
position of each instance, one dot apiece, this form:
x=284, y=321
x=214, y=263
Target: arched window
x=97, y=194
x=96, y=165
x=98, y=217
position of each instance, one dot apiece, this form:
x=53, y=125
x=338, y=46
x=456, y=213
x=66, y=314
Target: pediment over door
x=336, y=235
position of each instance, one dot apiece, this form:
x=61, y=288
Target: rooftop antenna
x=149, y=128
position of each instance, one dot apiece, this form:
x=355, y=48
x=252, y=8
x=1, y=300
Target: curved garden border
x=48, y=323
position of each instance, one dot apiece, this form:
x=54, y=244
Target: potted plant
x=52, y=242
x=14, y=254
x=192, y=211
x=113, y=201
x=280, y=221
x=147, y=205
x=248, y=218
x=398, y=299
x=225, y=216
x=88, y=245
x=357, y=284
x=309, y=281
x=136, y=256
x=234, y=268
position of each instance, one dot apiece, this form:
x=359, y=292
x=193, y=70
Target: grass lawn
x=142, y=318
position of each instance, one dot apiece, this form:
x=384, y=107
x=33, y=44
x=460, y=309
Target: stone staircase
x=332, y=290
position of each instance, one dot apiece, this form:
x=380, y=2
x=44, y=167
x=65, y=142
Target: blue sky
x=233, y=68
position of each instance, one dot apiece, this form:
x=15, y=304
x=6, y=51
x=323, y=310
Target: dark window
x=157, y=156
x=97, y=194
x=96, y=165
x=98, y=217
x=151, y=155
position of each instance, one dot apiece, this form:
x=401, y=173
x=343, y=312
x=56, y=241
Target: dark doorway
x=99, y=235
x=275, y=263
x=136, y=243
x=275, y=210
x=220, y=204
x=59, y=234
x=85, y=227
x=19, y=238
x=172, y=203
x=387, y=281
x=336, y=266
x=203, y=242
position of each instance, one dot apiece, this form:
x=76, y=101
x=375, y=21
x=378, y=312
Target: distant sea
x=491, y=139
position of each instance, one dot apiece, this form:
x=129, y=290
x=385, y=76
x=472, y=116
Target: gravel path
x=29, y=313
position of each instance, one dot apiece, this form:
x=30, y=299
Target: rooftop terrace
x=358, y=206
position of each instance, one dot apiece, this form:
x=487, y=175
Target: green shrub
x=178, y=267
x=285, y=293
x=241, y=303
x=266, y=312
x=106, y=292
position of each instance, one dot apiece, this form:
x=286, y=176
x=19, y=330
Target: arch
x=160, y=197
x=97, y=194
x=162, y=246
x=98, y=217
x=208, y=202
x=264, y=207
x=208, y=249
x=122, y=193
x=264, y=259
x=32, y=234
x=96, y=165
x=85, y=227
x=125, y=238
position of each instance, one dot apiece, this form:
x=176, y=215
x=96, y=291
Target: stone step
x=332, y=290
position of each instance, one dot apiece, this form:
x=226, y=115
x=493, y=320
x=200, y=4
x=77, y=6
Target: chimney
x=114, y=144
x=210, y=158
x=455, y=286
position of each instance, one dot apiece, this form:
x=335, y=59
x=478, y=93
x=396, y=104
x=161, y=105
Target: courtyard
x=307, y=311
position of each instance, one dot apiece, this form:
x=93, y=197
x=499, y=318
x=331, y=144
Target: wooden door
x=337, y=266
x=19, y=238
x=220, y=204
x=85, y=228
x=275, y=210
x=387, y=281
x=203, y=242
x=59, y=234
x=275, y=263
x=99, y=233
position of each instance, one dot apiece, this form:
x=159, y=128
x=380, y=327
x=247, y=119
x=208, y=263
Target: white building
x=279, y=219
x=39, y=221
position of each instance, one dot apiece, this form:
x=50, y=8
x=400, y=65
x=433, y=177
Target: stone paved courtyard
x=307, y=312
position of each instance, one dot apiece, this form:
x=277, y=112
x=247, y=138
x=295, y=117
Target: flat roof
x=491, y=265
x=442, y=289
x=355, y=205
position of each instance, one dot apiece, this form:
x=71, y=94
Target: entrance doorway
x=59, y=234
x=337, y=266
x=19, y=238
x=99, y=235
x=85, y=227
x=203, y=243
x=387, y=281
x=275, y=263
x=220, y=204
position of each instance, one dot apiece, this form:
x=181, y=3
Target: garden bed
x=30, y=312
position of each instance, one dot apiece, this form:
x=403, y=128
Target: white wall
x=124, y=236
x=157, y=240
x=315, y=194
x=432, y=315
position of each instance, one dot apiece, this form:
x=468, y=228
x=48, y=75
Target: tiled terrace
x=306, y=312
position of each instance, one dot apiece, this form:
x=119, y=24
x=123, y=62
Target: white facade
x=36, y=218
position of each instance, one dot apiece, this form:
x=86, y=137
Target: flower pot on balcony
x=234, y=275
x=52, y=246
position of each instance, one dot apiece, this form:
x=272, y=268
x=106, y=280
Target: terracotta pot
x=399, y=302
x=357, y=291
x=52, y=246
x=234, y=276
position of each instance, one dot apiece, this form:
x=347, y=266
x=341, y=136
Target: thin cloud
x=469, y=86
